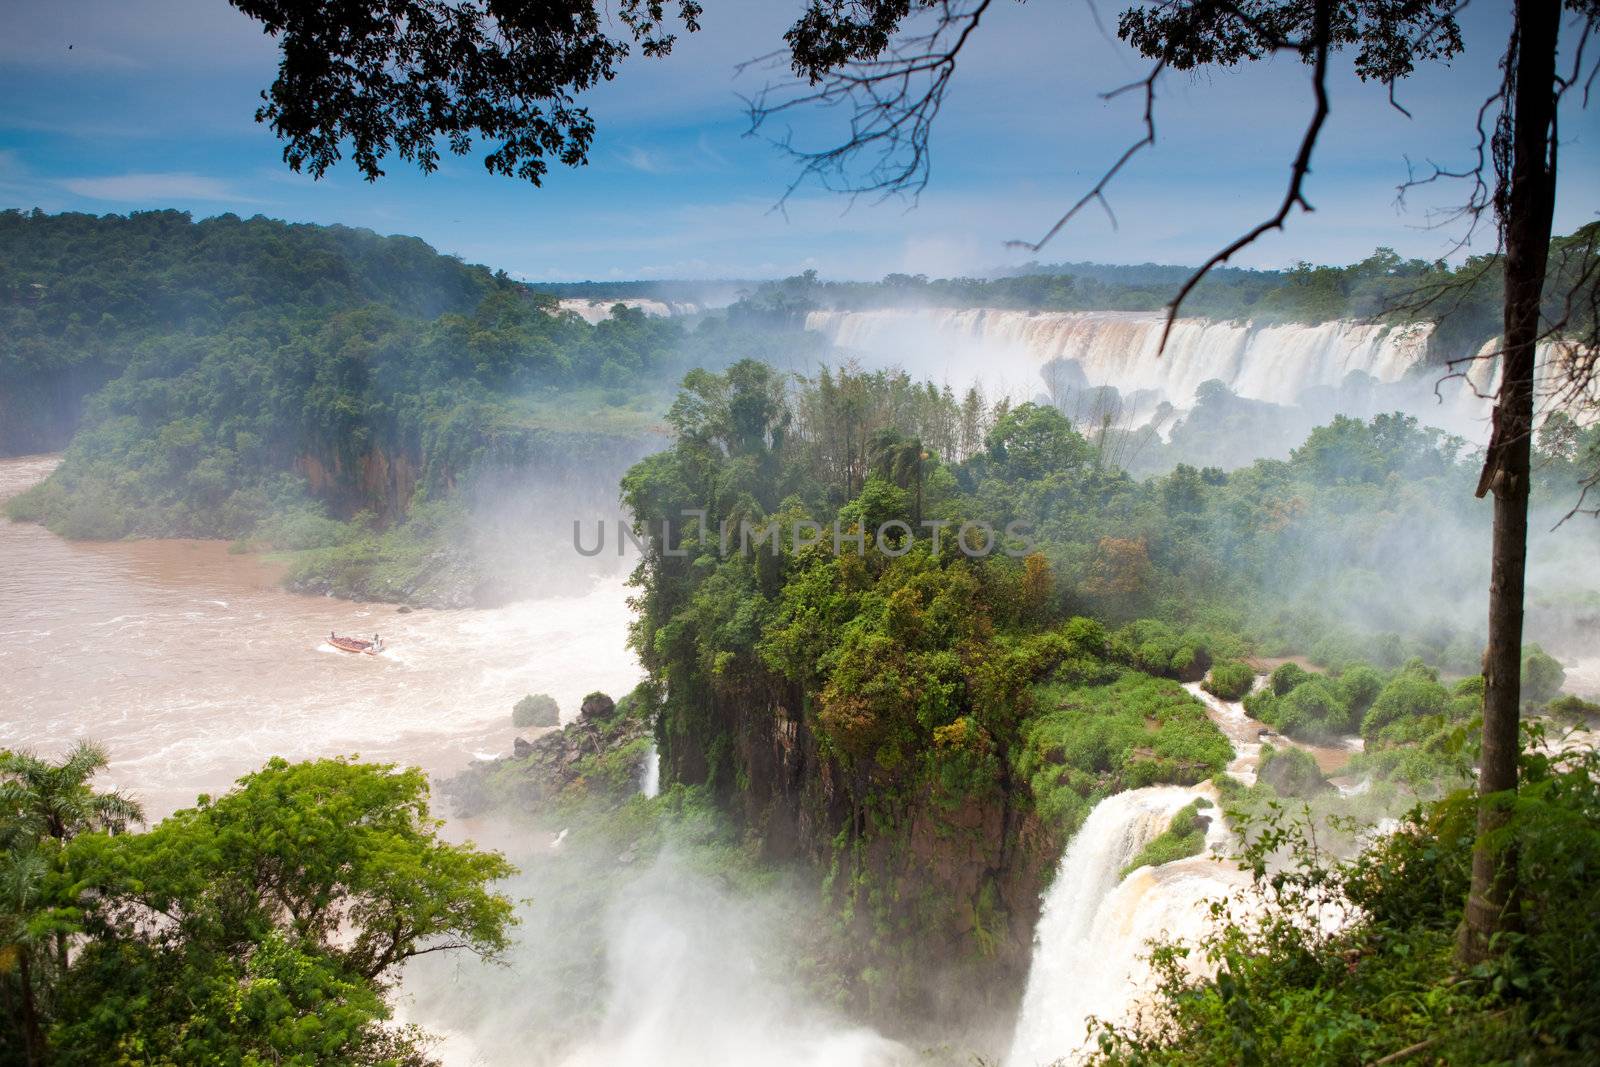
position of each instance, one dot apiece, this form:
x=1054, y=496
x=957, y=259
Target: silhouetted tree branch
x=892, y=87
x=403, y=75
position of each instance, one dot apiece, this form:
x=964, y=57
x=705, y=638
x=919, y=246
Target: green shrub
x=1359, y=685
x=1287, y=676
x=1086, y=742
x=1542, y=675
x=1574, y=709
x=302, y=527
x=1154, y=647
x=1408, y=696
x=1262, y=705
x=1418, y=666
x=1431, y=763
x=1184, y=836
x=536, y=709
x=1291, y=772
x=1312, y=710
x=1230, y=679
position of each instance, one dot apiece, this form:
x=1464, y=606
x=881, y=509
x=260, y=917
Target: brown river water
x=193, y=666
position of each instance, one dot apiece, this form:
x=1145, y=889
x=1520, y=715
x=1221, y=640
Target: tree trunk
x=32, y=1034
x=1528, y=206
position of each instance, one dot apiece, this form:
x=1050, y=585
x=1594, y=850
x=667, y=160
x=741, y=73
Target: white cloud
x=641, y=159
x=130, y=188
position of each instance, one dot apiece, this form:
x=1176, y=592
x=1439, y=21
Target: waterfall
x=1273, y=363
x=596, y=311
x=1096, y=927
x=1094, y=923
x=650, y=775
x=1285, y=365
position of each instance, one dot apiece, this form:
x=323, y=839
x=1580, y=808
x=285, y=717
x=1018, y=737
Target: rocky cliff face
x=380, y=479
x=384, y=479
x=499, y=525
x=936, y=893
x=598, y=757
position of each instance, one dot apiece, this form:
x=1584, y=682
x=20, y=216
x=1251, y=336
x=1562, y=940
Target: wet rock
x=597, y=706
x=597, y=757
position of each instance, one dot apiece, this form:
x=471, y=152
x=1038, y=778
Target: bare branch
x=1147, y=84
x=892, y=99
x=1294, y=195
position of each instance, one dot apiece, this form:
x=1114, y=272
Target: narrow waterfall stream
x=1073, y=977
x=650, y=775
x=1096, y=924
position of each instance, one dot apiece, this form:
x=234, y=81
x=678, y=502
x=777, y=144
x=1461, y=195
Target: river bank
x=193, y=666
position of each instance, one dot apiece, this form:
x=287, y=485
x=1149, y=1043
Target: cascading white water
x=593, y=311
x=1085, y=958
x=1096, y=927
x=650, y=778
x=1106, y=975
x=1274, y=363
x=1280, y=364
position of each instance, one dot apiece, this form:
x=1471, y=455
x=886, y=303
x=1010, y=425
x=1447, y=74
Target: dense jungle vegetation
x=308, y=387
x=940, y=691
x=906, y=636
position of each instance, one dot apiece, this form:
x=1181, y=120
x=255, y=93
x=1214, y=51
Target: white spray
x=650, y=775
x=1082, y=963
x=1274, y=363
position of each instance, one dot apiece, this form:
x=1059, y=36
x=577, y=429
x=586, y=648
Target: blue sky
x=152, y=107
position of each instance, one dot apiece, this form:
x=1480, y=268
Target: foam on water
x=1087, y=951
x=1095, y=926
x=193, y=666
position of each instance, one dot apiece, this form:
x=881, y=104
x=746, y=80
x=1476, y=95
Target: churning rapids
x=192, y=666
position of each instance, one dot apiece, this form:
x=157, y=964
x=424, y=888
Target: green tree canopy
x=265, y=924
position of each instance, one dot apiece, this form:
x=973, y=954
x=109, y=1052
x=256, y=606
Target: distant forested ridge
x=337, y=393
x=312, y=385
x=82, y=296
x=669, y=289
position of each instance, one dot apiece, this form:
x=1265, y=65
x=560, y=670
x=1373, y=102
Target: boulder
x=581, y=755
x=597, y=707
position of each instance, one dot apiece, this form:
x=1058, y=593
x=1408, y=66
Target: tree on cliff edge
x=380, y=76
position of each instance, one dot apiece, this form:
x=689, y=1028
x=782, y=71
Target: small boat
x=356, y=644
